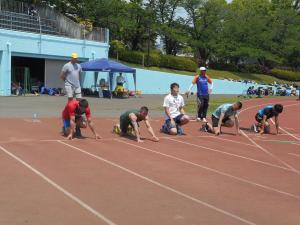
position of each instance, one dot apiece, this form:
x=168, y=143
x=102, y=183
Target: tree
x=169, y=26
x=205, y=25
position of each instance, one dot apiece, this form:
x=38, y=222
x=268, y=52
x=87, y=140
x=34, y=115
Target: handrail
x=36, y=25
x=64, y=25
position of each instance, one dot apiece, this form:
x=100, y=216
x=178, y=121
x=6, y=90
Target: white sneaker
x=204, y=120
x=198, y=119
x=254, y=128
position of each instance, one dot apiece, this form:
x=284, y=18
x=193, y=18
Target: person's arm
x=62, y=75
x=169, y=115
x=133, y=119
x=237, y=124
x=263, y=122
x=194, y=81
x=167, y=111
x=190, y=88
x=150, y=129
x=209, y=80
x=72, y=128
x=277, y=123
x=91, y=126
x=220, y=123
x=182, y=110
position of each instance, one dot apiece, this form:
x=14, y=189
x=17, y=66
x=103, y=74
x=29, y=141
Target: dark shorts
x=124, y=126
x=67, y=122
x=177, y=120
x=215, y=121
x=258, y=117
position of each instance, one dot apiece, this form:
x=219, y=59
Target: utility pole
x=148, y=48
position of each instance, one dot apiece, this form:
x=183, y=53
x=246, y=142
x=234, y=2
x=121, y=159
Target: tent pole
x=111, y=75
x=134, y=79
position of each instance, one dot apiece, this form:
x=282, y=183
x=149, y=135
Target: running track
x=187, y=180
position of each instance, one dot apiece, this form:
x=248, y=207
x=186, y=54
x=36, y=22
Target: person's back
x=267, y=111
x=125, y=116
x=226, y=108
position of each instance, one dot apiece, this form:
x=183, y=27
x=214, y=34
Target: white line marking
x=252, y=107
x=286, y=131
x=276, y=135
x=160, y=184
x=238, y=156
x=224, y=139
x=294, y=154
x=61, y=189
x=288, y=128
x=212, y=170
x=270, y=154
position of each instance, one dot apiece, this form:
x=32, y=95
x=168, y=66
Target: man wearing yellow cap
x=70, y=75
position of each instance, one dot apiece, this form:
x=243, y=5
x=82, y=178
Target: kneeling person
x=73, y=118
x=175, y=115
x=131, y=119
x=222, y=117
x=263, y=116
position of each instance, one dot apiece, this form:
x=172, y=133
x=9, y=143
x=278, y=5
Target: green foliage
x=116, y=47
x=178, y=63
x=241, y=35
x=131, y=57
x=286, y=74
x=159, y=60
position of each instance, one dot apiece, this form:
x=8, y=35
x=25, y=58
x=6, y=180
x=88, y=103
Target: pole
x=148, y=50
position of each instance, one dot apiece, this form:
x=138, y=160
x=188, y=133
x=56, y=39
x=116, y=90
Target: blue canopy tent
x=110, y=66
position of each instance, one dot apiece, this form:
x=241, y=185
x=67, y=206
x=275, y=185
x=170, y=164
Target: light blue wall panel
x=154, y=82
x=44, y=46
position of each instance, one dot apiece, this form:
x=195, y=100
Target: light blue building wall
x=154, y=82
x=16, y=43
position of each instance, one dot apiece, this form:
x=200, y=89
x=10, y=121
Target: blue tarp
x=106, y=65
x=110, y=66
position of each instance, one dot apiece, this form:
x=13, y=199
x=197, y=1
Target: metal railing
x=27, y=23
x=11, y=12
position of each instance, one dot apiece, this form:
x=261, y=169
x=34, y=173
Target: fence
x=48, y=21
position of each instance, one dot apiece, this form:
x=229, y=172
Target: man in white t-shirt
x=120, y=80
x=70, y=75
x=175, y=115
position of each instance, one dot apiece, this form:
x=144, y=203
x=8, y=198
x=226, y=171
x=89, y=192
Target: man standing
x=120, y=80
x=175, y=115
x=70, y=75
x=203, y=92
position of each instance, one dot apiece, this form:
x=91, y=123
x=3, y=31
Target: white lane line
x=268, y=103
x=287, y=132
x=231, y=154
x=270, y=154
x=288, y=128
x=61, y=189
x=233, y=141
x=211, y=170
x=290, y=134
x=294, y=154
x=160, y=184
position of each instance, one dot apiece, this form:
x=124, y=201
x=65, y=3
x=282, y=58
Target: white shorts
x=73, y=91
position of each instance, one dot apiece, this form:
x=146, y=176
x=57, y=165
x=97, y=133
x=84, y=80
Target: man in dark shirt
x=130, y=119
